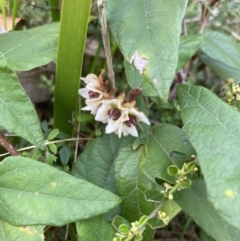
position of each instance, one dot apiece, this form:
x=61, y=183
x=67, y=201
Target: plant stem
x=78, y=133
x=153, y=213
x=113, y=50
x=106, y=42
x=14, y=13
x=8, y=145
x=48, y=143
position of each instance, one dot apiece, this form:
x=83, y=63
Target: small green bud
x=163, y=214
x=170, y=196
x=195, y=169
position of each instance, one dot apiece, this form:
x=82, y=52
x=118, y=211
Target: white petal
x=139, y=115
x=112, y=126
x=143, y=118
x=90, y=78
x=125, y=133
x=120, y=130
x=84, y=92
x=131, y=130
x=87, y=107
x=94, y=87
x=92, y=106
x=102, y=114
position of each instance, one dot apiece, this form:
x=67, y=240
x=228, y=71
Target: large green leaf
x=17, y=113
x=187, y=48
x=150, y=29
x=36, y=193
x=158, y=144
x=221, y=53
x=135, y=79
x=195, y=203
x=9, y=232
x=95, y=229
x=214, y=130
x=27, y=49
x=96, y=163
x=132, y=183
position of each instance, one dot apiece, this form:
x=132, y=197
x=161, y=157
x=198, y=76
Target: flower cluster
x=120, y=115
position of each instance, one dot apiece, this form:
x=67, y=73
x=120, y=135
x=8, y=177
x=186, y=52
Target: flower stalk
x=106, y=42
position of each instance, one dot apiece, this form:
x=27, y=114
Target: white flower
x=120, y=117
x=113, y=113
x=135, y=116
x=92, y=92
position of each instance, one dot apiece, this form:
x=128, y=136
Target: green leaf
x=187, y=48
x=204, y=236
x=53, y=148
x=95, y=229
x=150, y=31
x=123, y=228
x=186, y=184
x=180, y=156
x=96, y=163
x=64, y=155
x=138, y=237
x=118, y=220
x=9, y=232
x=27, y=49
x=135, y=79
x=54, y=133
x=85, y=118
x=221, y=53
x=71, y=45
x=214, y=130
x=172, y=170
x=154, y=195
x=131, y=185
x=143, y=220
x=17, y=113
x=36, y=154
x=156, y=223
x=195, y=203
x=36, y=193
x=50, y=158
x=171, y=208
x=157, y=146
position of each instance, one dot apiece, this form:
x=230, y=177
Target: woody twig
x=106, y=42
x=8, y=145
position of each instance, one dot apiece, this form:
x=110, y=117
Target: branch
x=8, y=145
x=106, y=42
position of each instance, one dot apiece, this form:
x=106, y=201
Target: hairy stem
x=106, y=42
